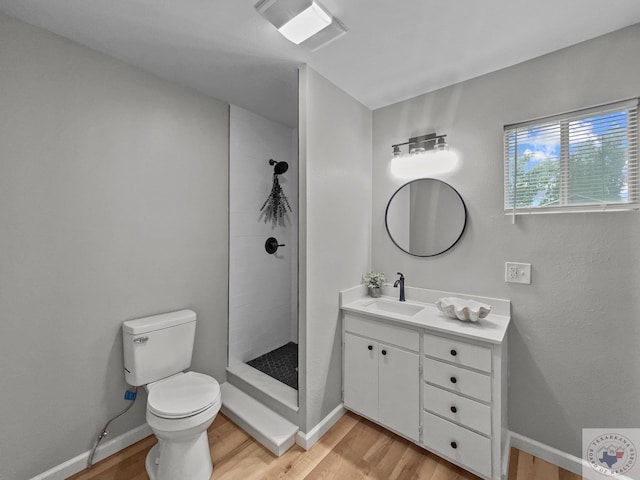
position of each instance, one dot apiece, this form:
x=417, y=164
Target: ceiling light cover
x=306, y=24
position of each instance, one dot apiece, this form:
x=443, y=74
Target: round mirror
x=426, y=217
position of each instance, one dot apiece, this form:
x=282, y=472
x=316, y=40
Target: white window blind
x=579, y=161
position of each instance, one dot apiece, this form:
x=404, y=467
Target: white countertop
x=490, y=329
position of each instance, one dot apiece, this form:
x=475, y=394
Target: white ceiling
x=393, y=50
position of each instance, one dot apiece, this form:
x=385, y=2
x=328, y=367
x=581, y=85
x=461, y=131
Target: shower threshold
x=281, y=364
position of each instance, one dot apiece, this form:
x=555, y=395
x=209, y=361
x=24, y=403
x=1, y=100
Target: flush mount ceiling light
x=426, y=156
x=303, y=22
x=309, y=22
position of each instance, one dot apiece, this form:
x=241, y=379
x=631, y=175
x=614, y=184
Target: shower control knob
x=271, y=245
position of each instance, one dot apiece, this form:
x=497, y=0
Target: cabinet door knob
x=453, y=380
x=453, y=352
x=370, y=347
x=454, y=445
x=384, y=352
x=453, y=409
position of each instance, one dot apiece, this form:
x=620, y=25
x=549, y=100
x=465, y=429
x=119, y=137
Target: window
x=580, y=161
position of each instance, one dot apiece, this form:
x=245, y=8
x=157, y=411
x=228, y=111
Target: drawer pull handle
x=453, y=352
x=454, y=445
x=370, y=347
x=453, y=380
x=384, y=352
x=453, y=409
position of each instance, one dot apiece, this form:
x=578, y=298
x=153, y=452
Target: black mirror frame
x=464, y=227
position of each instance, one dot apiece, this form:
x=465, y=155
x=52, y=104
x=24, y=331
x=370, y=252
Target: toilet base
x=180, y=460
x=150, y=462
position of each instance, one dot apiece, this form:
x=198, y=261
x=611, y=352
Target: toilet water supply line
x=130, y=395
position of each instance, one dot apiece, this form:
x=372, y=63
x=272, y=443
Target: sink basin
x=394, y=307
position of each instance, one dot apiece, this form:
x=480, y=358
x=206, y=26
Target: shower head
x=280, y=167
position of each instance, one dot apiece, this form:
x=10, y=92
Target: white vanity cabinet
x=434, y=380
x=381, y=373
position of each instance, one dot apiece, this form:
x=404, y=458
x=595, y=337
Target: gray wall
x=335, y=231
x=573, y=352
x=113, y=205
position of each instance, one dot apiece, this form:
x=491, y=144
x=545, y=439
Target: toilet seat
x=183, y=395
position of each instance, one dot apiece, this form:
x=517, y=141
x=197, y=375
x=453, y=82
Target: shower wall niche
x=263, y=287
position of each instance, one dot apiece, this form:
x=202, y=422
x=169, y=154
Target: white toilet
x=180, y=406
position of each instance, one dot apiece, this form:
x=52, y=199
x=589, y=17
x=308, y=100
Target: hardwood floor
x=353, y=449
x=523, y=466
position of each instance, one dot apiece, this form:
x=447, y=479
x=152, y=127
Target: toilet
x=180, y=405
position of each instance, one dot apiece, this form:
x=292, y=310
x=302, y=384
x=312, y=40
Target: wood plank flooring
x=353, y=449
x=523, y=466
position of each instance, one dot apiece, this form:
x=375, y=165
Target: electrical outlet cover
x=517, y=272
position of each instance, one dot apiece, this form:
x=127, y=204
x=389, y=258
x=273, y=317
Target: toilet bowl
x=180, y=405
x=179, y=411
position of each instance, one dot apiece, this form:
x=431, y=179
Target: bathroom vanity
x=432, y=379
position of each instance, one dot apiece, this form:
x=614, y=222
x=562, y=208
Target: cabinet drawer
x=390, y=334
x=464, y=411
x=457, y=352
x=468, y=449
x=459, y=380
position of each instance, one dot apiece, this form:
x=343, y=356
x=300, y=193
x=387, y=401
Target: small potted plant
x=374, y=282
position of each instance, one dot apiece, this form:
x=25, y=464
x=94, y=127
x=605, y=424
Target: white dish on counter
x=464, y=310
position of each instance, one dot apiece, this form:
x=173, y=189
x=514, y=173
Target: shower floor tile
x=281, y=364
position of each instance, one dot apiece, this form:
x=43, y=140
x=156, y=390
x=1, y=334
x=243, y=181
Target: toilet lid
x=183, y=395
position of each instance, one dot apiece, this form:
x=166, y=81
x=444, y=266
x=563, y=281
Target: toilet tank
x=157, y=347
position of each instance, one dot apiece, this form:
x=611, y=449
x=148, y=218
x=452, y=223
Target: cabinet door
x=399, y=390
x=361, y=375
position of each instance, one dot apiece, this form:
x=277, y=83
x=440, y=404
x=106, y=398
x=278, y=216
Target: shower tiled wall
x=262, y=287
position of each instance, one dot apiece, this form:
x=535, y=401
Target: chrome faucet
x=400, y=282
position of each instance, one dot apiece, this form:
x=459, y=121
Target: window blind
x=580, y=161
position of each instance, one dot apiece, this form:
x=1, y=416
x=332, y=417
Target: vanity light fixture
x=424, y=156
x=422, y=143
x=303, y=22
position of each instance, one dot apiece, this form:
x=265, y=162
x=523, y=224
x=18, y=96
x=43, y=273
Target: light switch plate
x=517, y=272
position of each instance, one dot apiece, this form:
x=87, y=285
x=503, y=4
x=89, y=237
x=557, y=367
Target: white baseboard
x=545, y=452
x=557, y=457
x=307, y=440
x=79, y=463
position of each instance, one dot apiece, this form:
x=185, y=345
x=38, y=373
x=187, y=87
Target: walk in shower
x=263, y=248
